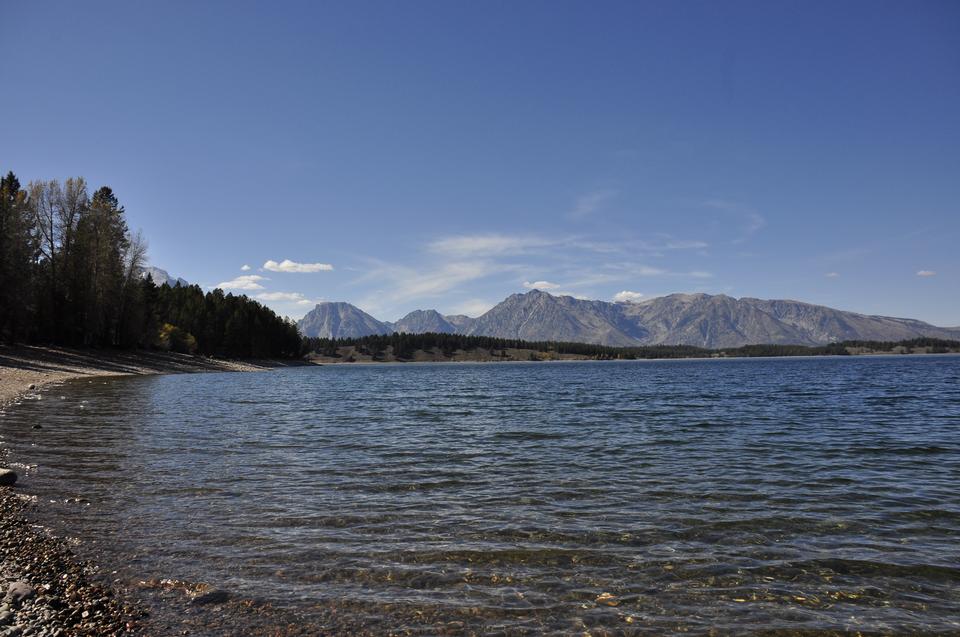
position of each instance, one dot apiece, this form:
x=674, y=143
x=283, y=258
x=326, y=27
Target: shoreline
x=369, y=363
x=31, y=368
x=46, y=590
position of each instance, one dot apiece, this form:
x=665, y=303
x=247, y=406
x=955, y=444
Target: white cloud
x=292, y=266
x=626, y=296
x=832, y=275
x=591, y=202
x=245, y=282
x=487, y=245
x=245, y=268
x=926, y=273
x=281, y=296
x=540, y=285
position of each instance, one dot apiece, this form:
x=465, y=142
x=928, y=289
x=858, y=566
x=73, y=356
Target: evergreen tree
x=18, y=252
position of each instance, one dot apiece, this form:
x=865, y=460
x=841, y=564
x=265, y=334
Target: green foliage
x=222, y=324
x=171, y=338
x=70, y=274
x=18, y=251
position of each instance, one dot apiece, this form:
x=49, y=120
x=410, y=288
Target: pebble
x=60, y=598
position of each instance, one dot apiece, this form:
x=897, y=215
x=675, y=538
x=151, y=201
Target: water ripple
x=800, y=496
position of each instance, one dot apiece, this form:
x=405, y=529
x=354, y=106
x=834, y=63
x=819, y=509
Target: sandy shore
x=45, y=591
x=23, y=366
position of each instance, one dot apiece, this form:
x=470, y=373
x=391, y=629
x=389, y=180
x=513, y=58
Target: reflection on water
x=782, y=495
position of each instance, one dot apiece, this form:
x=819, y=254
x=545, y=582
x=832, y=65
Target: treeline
x=404, y=346
x=70, y=274
x=936, y=345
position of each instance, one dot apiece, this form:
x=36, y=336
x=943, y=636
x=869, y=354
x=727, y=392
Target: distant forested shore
x=71, y=274
x=433, y=347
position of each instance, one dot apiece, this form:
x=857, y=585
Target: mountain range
x=704, y=320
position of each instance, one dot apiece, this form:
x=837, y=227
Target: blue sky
x=446, y=154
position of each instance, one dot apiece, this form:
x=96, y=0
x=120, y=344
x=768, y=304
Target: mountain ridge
x=703, y=320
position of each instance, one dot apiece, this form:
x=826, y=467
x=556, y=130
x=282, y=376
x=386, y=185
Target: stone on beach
x=19, y=591
x=8, y=477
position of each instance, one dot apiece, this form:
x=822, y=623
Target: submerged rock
x=212, y=596
x=8, y=477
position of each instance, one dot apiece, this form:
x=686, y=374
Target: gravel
x=48, y=592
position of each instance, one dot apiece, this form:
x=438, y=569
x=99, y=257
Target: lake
x=790, y=496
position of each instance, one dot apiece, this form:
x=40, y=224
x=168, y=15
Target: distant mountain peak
x=700, y=319
x=339, y=319
x=161, y=276
x=420, y=321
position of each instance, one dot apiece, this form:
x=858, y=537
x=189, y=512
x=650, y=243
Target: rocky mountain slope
x=340, y=320
x=539, y=316
x=161, y=276
x=421, y=321
x=704, y=320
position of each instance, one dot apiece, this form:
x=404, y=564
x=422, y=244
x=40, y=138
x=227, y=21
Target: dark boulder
x=8, y=477
x=212, y=596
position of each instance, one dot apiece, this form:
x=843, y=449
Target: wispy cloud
x=591, y=202
x=627, y=296
x=244, y=268
x=540, y=285
x=926, y=273
x=472, y=307
x=500, y=245
x=576, y=295
x=751, y=220
x=292, y=266
x=394, y=285
x=288, y=297
x=246, y=282
x=478, y=245
x=832, y=275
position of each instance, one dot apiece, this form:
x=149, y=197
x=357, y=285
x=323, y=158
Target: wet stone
x=8, y=477
x=214, y=596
